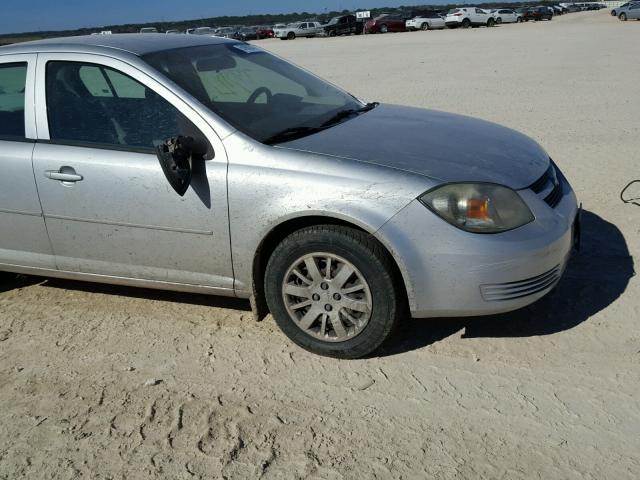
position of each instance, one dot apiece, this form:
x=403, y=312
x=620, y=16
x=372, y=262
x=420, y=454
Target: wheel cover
x=327, y=297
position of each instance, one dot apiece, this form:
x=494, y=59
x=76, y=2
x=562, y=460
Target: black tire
x=491, y=22
x=623, y=17
x=332, y=33
x=498, y=20
x=519, y=20
x=466, y=23
x=291, y=36
x=424, y=26
x=384, y=29
x=367, y=255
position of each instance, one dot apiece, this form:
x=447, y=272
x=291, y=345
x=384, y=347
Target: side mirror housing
x=176, y=157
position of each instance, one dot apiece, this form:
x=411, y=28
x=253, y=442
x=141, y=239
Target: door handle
x=64, y=174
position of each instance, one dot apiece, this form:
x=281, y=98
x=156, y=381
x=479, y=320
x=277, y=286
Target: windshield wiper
x=348, y=113
x=291, y=134
x=294, y=133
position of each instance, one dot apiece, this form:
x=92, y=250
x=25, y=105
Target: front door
x=108, y=206
x=23, y=236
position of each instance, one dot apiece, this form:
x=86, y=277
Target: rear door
x=23, y=236
x=108, y=206
x=634, y=11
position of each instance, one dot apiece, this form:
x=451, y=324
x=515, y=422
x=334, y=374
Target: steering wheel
x=259, y=91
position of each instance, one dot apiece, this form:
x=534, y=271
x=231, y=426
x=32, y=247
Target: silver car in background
x=629, y=12
x=201, y=164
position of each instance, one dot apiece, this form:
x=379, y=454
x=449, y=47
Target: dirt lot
x=114, y=383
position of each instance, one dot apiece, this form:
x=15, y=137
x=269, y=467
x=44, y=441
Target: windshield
x=256, y=92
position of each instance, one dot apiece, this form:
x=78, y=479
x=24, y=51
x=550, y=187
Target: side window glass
x=125, y=87
x=13, y=78
x=95, y=81
x=96, y=105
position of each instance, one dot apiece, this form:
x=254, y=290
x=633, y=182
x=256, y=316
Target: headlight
x=478, y=207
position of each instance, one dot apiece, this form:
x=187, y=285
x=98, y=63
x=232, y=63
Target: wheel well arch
x=279, y=233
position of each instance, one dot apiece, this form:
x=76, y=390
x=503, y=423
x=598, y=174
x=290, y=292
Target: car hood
x=442, y=146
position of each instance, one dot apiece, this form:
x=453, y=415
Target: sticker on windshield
x=246, y=48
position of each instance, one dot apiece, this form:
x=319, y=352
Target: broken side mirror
x=176, y=157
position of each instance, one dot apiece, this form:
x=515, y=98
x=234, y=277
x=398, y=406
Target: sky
x=35, y=15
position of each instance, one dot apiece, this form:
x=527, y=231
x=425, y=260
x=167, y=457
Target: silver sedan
x=202, y=164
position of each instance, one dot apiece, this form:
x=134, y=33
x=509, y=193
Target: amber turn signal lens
x=478, y=208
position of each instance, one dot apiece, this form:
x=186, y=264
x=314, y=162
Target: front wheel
x=384, y=29
x=332, y=290
x=623, y=17
x=491, y=22
x=466, y=23
x=519, y=20
x=291, y=36
x=424, y=26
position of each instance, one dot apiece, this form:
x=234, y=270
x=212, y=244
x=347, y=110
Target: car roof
x=135, y=43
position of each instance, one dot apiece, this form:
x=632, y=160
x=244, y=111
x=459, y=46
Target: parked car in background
x=343, y=25
x=258, y=180
x=386, y=23
x=466, y=17
x=172, y=31
x=429, y=21
x=201, y=31
x=541, y=12
x=535, y=13
x=617, y=10
x=299, y=29
x=264, y=32
x=225, y=32
x=149, y=30
x=506, y=15
x=630, y=12
x=572, y=8
x=246, y=33
x=524, y=13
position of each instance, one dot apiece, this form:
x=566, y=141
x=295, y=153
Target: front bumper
x=450, y=272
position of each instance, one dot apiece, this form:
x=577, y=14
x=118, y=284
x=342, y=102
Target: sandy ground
x=114, y=383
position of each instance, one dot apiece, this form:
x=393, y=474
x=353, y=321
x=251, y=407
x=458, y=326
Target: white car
x=299, y=29
x=506, y=15
x=468, y=17
x=202, y=31
x=430, y=21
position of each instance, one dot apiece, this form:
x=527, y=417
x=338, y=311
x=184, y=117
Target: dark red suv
x=535, y=13
x=264, y=32
x=385, y=23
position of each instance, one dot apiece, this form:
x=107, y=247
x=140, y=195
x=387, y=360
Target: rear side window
x=13, y=78
x=90, y=104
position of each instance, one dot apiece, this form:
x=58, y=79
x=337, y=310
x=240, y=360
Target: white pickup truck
x=469, y=17
x=299, y=29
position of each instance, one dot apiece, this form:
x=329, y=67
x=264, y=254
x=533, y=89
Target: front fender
x=268, y=186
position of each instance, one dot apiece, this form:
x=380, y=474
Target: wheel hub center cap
x=327, y=297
